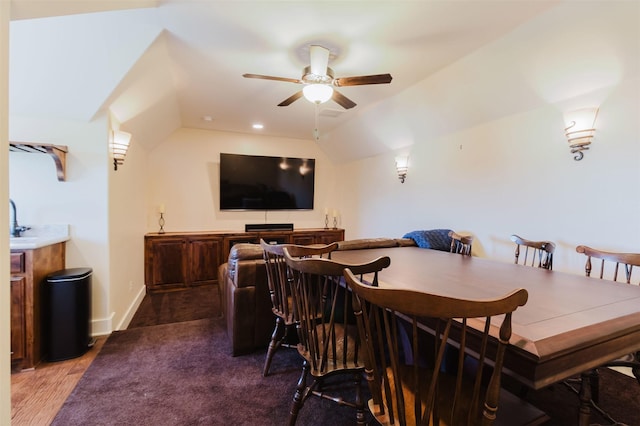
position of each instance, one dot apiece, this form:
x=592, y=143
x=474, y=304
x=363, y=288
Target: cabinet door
x=276, y=237
x=205, y=255
x=328, y=237
x=18, y=325
x=303, y=239
x=167, y=263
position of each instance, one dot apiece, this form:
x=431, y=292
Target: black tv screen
x=254, y=182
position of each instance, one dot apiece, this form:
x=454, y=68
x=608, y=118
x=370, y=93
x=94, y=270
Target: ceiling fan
x=319, y=81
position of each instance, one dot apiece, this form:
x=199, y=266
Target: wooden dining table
x=570, y=324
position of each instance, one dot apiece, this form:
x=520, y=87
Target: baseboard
x=268, y=227
x=102, y=327
x=133, y=307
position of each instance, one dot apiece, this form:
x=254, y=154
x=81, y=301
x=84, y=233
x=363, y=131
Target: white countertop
x=40, y=236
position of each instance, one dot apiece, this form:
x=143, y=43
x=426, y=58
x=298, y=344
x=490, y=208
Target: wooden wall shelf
x=57, y=152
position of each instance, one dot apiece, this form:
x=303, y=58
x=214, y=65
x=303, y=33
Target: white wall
x=81, y=201
x=184, y=175
x=127, y=224
x=488, y=150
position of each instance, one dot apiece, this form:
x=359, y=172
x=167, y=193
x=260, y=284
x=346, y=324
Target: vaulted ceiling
x=162, y=65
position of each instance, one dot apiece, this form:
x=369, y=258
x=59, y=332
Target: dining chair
x=422, y=391
x=610, y=263
x=284, y=334
x=541, y=252
x=615, y=267
x=327, y=333
x=461, y=244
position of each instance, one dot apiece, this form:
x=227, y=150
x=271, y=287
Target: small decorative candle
x=161, y=208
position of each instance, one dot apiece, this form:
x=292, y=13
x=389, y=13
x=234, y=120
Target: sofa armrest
x=244, y=264
x=247, y=305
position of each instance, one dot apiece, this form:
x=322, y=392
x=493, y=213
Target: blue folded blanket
x=435, y=239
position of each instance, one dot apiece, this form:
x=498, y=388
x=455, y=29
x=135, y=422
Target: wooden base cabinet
x=29, y=269
x=166, y=263
x=18, y=319
x=177, y=261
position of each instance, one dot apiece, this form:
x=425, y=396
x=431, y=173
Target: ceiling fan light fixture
x=317, y=93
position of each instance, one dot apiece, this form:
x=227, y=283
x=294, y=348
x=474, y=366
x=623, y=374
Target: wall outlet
x=130, y=285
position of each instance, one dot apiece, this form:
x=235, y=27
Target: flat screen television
x=254, y=182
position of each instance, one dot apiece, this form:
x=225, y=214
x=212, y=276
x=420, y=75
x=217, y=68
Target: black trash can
x=67, y=314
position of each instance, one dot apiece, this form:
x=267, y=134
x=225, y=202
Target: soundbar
x=268, y=227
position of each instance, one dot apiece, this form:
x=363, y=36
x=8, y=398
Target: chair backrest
x=326, y=327
x=405, y=333
x=461, y=244
x=610, y=263
x=541, y=252
x=277, y=277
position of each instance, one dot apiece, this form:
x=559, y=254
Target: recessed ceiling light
x=258, y=126
x=207, y=118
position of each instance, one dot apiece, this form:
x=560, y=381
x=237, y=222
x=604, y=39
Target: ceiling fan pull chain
x=316, y=130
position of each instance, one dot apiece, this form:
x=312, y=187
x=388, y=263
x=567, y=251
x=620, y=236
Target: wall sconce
x=119, y=146
x=402, y=166
x=580, y=129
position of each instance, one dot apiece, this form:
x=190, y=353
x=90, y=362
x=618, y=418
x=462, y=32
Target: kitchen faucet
x=14, y=229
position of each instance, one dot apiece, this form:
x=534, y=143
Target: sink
x=23, y=243
x=39, y=236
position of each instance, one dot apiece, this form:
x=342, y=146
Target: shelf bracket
x=57, y=152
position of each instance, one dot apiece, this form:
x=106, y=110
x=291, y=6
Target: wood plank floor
x=38, y=394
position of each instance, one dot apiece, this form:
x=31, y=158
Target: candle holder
x=161, y=223
x=326, y=221
x=335, y=222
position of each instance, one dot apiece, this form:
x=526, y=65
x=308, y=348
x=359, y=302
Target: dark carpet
x=177, y=306
x=182, y=373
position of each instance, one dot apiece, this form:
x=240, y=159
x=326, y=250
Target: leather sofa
x=245, y=292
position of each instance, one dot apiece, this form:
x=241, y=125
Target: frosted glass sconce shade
x=580, y=127
x=402, y=167
x=119, y=146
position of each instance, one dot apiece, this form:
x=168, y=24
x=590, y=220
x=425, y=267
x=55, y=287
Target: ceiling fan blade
x=319, y=59
x=291, y=99
x=268, y=77
x=342, y=100
x=362, y=80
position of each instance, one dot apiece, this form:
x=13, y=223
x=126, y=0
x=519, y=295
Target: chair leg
x=636, y=368
x=298, y=397
x=636, y=373
x=584, y=411
x=360, y=413
x=276, y=340
x=594, y=379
